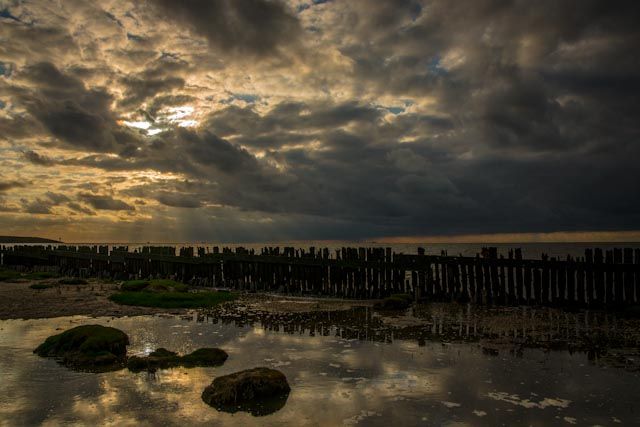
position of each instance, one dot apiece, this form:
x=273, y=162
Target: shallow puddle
x=334, y=380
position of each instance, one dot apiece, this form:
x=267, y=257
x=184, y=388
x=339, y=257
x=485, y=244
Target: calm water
x=334, y=381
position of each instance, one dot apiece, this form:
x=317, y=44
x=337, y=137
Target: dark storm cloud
x=211, y=151
x=162, y=101
x=448, y=117
x=76, y=207
x=9, y=185
x=179, y=200
x=29, y=39
x=37, y=159
x=57, y=198
x=283, y=125
x=197, y=154
x=79, y=117
x=246, y=27
x=517, y=61
x=38, y=206
x=20, y=127
x=142, y=88
x=4, y=207
x=158, y=78
x=103, y=202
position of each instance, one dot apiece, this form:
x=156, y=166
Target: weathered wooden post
x=636, y=275
x=571, y=280
x=528, y=284
x=599, y=279
x=618, y=285
x=521, y=292
x=511, y=285
x=627, y=278
x=588, y=264
x=609, y=279
x=561, y=280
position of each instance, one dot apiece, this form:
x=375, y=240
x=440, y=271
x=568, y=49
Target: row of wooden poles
x=610, y=277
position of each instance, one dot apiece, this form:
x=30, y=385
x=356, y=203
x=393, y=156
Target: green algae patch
x=164, y=359
x=259, y=391
x=91, y=348
x=172, y=299
x=205, y=357
x=395, y=302
x=8, y=275
x=155, y=285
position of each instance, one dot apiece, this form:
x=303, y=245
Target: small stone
x=259, y=391
x=93, y=348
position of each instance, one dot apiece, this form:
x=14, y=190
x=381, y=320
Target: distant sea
x=529, y=250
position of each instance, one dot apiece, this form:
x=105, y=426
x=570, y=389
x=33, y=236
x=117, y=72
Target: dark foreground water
x=334, y=381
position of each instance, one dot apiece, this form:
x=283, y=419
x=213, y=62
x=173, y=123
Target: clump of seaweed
x=164, y=359
x=395, y=302
x=259, y=391
x=91, y=348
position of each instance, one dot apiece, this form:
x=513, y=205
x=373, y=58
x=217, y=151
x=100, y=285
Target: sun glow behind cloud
x=166, y=119
x=336, y=119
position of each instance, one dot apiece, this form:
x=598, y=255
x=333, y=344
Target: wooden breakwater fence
x=599, y=278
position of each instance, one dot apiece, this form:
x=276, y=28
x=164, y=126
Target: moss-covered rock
x=204, y=357
x=259, y=391
x=163, y=359
x=156, y=285
x=88, y=347
x=395, y=302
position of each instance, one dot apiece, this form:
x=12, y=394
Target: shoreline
x=19, y=301
x=610, y=337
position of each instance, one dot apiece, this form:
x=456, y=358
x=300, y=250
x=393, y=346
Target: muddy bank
x=610, y=337
x=272, y=303
x=607, y=338
x=19, y=301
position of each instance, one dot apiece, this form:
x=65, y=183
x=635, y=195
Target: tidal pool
x=334, y=380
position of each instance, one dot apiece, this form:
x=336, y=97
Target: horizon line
x=483, y=238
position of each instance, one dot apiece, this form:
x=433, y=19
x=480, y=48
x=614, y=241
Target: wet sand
x=271, y=303
x=604, y=335
x=337, y=377
x=19, y=301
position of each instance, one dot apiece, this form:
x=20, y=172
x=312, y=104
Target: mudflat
x=19, y=301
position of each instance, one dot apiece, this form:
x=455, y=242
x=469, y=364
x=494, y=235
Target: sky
x=267, y=120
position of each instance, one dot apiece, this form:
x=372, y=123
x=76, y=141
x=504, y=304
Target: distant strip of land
x=22, y=239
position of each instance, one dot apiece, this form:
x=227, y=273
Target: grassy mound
x=172, y=299
x=259, y=391
x=158, y=285
x=41, y=275
x=8, y=275
x=163, y=359
x=88, y=347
